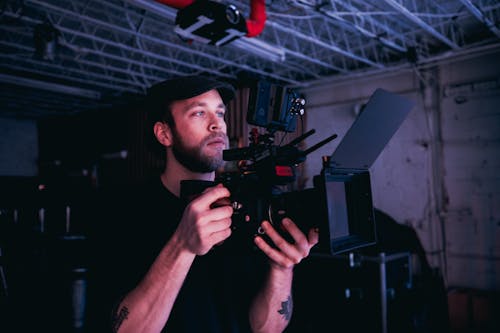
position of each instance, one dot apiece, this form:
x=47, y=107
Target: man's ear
x=163, y=133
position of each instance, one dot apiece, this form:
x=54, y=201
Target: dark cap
x=184, y=87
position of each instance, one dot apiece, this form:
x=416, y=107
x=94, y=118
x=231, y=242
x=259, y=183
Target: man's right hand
x=203, y=226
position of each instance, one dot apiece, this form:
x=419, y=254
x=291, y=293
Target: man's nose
x=214, y=127
x=216, y=123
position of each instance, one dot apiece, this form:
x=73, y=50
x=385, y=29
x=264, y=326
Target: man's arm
x=272, y=307
x=147, y=307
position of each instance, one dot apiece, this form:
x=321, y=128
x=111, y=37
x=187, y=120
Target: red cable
x=176, y=3
x=257, y=20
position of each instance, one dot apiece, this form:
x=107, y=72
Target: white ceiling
x=110, y=51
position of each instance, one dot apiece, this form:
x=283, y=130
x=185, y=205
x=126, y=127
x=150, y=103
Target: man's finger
x=210, y=195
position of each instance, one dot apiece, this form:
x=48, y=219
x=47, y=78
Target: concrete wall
x=440, y=171
x=471, y=177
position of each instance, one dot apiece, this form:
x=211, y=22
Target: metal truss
x=121, y=47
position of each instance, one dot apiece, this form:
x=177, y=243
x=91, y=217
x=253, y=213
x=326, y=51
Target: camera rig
x=340, y=202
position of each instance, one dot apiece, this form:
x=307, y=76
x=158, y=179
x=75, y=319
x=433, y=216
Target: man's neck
x=175, y=172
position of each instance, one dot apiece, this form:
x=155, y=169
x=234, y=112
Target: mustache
x=216, y=135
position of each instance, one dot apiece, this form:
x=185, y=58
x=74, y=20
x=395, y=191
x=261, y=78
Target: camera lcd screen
x=350, y=210
x=269, y=106
x=337, y=209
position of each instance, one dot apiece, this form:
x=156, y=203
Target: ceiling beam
x=478, y=13
x=422, y=24
x=54, y=87
x=333, y=16
x=325, y=45
x=293, y=33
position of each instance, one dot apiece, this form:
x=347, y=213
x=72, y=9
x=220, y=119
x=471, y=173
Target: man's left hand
x=284, y=254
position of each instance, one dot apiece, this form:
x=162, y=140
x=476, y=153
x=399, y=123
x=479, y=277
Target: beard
x=193, y=158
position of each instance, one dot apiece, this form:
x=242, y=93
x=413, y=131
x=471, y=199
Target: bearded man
x=174, y=269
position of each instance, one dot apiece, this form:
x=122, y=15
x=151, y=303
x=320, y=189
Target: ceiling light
x=253, y=45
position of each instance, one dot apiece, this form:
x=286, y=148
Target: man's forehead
x=210, y=97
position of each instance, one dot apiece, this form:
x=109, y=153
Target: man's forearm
x=271, y=309
x=147, y=307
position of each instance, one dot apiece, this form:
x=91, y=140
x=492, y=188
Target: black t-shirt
x=135, y=224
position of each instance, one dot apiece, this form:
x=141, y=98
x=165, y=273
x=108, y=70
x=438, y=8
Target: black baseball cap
x=184, y=87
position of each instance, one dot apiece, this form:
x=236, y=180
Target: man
x=192, y=279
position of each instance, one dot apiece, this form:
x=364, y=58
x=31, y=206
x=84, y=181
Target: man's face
x=199, y=134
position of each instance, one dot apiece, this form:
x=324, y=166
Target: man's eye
x=199, y=113
x=221, y=114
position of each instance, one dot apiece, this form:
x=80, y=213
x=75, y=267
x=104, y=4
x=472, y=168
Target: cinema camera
x=340, y=201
